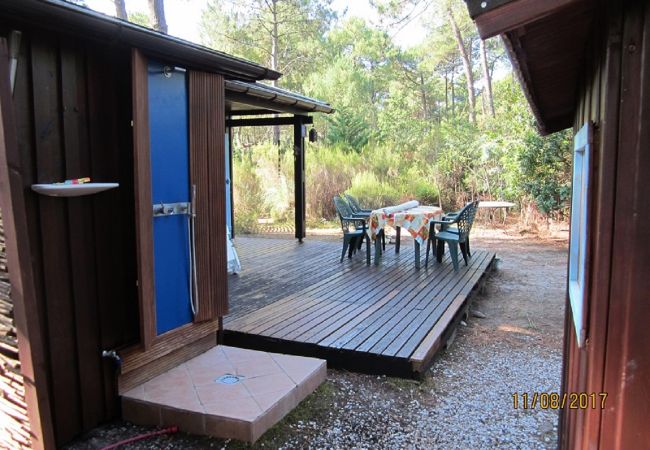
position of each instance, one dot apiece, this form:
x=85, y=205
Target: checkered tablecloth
x=415, y=220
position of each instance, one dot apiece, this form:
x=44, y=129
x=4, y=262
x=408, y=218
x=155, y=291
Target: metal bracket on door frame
x=171, y=209
x=184, y=209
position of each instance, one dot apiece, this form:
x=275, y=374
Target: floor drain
x=229, y=379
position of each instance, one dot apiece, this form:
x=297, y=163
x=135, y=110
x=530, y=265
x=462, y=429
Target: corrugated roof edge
x=275, y=94
x=72, y=19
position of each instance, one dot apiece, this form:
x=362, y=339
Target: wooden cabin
x=100, y=280
x=585, y=64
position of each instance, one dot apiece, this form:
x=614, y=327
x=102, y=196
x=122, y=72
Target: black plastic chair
x=354, y=229
x=454, y=236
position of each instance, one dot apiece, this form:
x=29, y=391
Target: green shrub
x=276, y=187
x=546, y=172
x=329, y=172
x=371, y=192
x=384, y=162
x=427, y=194
x=247, y=196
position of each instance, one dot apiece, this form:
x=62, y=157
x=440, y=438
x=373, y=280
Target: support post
x=299, y=175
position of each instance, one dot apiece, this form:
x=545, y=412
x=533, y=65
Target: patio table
x=414, y=219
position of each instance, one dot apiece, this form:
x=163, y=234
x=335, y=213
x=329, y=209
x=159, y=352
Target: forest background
x=444, y=121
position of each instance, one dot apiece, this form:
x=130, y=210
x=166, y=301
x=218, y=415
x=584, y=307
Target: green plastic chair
x=454, y=236
x=454, y=228
x=355, y=206
x=365, y=213
x=354, y=229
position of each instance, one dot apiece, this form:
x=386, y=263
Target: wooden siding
x=627, y=375
x=73, y=112
x=390, y=319
x=14, y=421
x=149, y=367
x=208, y=173
x=614, y=95
x=27, y=318
x=583, y=368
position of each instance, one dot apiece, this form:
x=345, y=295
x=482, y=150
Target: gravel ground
x=466, y=402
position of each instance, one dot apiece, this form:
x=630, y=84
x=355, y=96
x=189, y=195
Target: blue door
x=170, y=179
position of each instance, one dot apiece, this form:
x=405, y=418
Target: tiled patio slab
x=190, y=397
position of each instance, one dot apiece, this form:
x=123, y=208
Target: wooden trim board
x=516, y=14
x=143, y=215
x=153, y=367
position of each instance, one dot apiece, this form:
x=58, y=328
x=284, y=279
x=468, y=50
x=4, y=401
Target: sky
x=183, y=17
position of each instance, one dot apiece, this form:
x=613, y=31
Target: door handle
x=171, y=209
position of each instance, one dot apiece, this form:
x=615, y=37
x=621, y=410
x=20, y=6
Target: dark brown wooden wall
x=14, y=421
x=615, y=96
x=72, y=104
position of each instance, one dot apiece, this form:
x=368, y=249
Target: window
x=579, y=229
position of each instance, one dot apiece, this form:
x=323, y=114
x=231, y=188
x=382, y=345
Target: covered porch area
x=390, y=319
x=261, y=105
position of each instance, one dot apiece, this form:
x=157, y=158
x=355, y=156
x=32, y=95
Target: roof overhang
x=494, y=17
x=243, y=98
x=59, y=16
x=547, y=43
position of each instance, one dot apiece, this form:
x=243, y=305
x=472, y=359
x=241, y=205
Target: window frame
x=579, y=231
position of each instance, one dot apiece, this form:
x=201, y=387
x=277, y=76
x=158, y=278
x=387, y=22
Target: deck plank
x=267, y=269
x=366, y=290
x=405, y=342
x=417, y=335
x=377, y=322
x=310, y=281
x=298, y=298
x=392, y=284
x=292, y=305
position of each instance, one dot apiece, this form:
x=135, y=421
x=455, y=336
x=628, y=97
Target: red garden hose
x=141, y=437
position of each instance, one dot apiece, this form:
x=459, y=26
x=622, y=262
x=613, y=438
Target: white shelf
x=72, y=190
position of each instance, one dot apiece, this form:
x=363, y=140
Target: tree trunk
x=453, y=95
x=446, y=94
x=157, y=10
x=487, y=79
x=120, y=9
x=274, y=66
x=467, y=65
x=423, y=95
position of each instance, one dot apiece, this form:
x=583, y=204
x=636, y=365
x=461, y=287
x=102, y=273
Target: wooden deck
x=391, y=319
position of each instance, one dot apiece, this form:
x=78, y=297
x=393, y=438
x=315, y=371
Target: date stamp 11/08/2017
x=555, y=400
